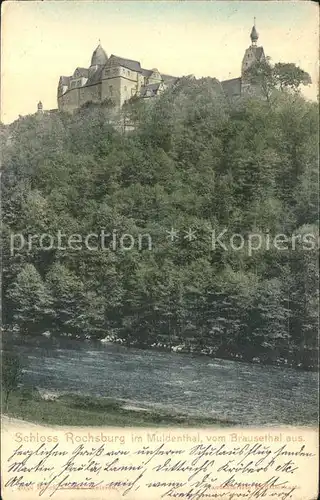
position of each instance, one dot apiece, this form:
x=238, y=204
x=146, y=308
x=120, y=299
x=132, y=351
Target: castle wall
x=110, y=88
x=252, y=90
x=74, y=98
x=91, y=93
x=69, y=101
x=140, y=81
x=118, y=84
x=128, y=88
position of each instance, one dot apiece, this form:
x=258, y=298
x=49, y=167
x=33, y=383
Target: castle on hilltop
x=116, y=79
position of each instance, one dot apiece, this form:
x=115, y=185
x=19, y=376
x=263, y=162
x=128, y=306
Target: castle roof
x=99, y=57
x=126, y=63
x=64, y=80
x=151, y=88
x=254, y=34
x=169, y=78
x=83, y=72
x=232, y=87
x=146, y=72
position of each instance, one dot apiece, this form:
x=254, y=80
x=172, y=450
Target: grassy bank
x=75, y=410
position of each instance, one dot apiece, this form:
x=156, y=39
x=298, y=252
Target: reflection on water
x=240, y=392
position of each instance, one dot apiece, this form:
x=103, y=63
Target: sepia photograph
x=160, y=240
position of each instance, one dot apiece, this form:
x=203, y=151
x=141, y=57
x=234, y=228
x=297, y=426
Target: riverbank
x=306, y=360
x=75, y=410
x=298, y=359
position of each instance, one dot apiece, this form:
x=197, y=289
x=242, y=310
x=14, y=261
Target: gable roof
x=126, y=63
x=150, y=88
x=83, y=71
x=168, y=77
x=169, y=80
x=64, y=80
x=146, y=72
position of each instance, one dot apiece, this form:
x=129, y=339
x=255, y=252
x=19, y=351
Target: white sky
x=43, y=40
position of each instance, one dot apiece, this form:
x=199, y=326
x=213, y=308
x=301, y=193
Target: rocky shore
x=291, y=359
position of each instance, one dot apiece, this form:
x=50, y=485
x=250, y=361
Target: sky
x=43, y=40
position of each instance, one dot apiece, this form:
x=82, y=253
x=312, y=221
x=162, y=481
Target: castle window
x=110, y=90
x=125, y=88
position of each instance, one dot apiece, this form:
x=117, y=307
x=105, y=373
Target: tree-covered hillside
x=193, y=161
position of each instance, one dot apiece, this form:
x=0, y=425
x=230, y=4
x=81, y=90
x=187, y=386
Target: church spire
x=254, y=34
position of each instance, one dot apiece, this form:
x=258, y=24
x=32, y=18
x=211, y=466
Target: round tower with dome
x=99, y=58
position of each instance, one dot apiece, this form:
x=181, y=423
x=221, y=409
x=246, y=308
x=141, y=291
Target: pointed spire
x=254, y=34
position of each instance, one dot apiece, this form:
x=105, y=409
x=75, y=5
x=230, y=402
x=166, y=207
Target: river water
x=242, y=393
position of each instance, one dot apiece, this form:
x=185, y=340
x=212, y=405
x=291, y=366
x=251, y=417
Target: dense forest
x=190, y=159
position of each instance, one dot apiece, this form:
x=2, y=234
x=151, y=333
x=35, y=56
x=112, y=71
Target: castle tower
x=252, y=55
x=40, y=107
x=99, y=58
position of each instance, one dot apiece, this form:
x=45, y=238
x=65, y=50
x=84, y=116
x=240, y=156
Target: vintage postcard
x=159, y=183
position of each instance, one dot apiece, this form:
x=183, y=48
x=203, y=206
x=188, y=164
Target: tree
x=290, y=76
x=11, y=374
x=268, y=315
x=281, y=76
x=133, y=111
x=260, y=75
x=30, y=301
x=192, y=160
x=67, y=293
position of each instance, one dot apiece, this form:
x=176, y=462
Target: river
x=245, y=394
